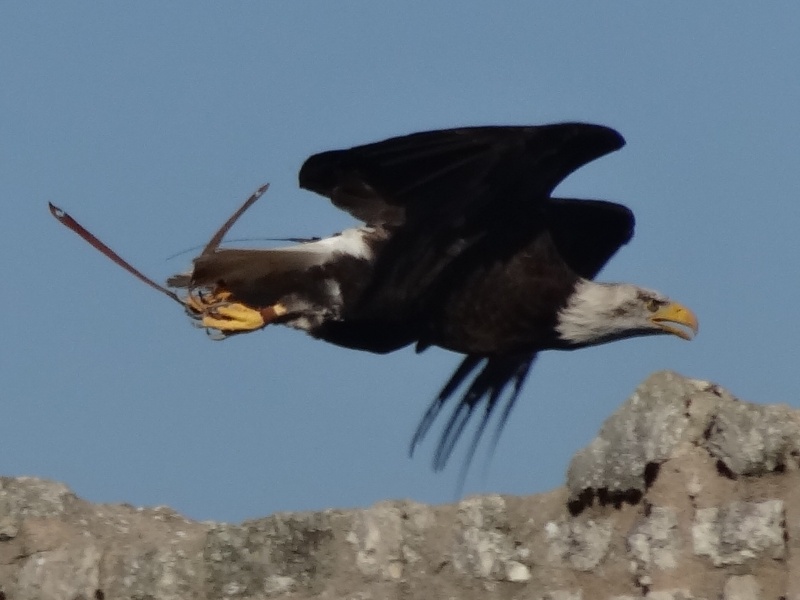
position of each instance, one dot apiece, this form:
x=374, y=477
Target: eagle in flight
x=461, y=247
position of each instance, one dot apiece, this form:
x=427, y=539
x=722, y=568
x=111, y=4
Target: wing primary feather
x=453, y=429
x=491, y=402
x=464, y=369
x=519, y=379
x=488, y=386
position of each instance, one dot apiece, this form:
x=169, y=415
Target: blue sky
x=151, y=122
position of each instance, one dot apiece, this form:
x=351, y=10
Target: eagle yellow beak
x=673, y=314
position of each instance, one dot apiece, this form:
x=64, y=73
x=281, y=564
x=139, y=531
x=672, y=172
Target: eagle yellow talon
x=200, y=303
x=215, y=310
x=233, y=317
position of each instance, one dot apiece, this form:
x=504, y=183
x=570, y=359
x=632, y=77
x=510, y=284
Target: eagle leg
x=215, y=310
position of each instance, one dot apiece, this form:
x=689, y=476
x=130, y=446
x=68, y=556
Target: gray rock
x=668, y=411
x=654, y=543
x=581, y=545
x=30, y=497
x=743, y=587
x=698, y=499
x=483, y=548
x=282, y=552
x=752, y=440
x=644, y=431
x=740, y=531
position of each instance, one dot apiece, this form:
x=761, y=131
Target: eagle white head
x=597, y=313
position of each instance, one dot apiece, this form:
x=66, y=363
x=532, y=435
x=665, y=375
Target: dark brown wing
x=587, y=233
x=454, y=175
x=444, y=191
x=487, y=388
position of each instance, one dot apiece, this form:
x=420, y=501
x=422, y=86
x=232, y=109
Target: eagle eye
x=653, y=305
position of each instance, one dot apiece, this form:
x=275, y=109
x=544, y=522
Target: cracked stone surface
x=686, y=493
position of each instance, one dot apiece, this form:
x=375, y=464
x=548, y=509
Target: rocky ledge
x=686, y=493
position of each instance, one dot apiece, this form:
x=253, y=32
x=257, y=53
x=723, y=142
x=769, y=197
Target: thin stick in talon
x=65, y=219
x=215, y=241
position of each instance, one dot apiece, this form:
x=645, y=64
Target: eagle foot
x=216, y=311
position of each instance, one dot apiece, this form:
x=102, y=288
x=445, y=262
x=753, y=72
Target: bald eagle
x=461, y=247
